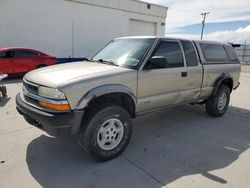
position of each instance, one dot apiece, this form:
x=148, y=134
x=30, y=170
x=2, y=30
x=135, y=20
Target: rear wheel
x=107, y=132
x=217, y=106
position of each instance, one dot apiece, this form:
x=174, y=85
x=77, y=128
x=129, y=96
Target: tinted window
x=214, y=52
x=172, y=52
x=231, y=53
x=5, y=55
x=190, y=53
x=24, y=54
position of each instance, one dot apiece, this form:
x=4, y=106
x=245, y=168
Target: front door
x=159, y=87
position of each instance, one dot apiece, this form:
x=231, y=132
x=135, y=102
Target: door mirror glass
x=157, y=62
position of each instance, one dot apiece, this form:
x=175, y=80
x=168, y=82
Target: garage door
x=137, y=27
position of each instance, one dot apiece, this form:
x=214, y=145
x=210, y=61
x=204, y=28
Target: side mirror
x=158, y=62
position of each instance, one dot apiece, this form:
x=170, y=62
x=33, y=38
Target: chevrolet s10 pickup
x=94, y=101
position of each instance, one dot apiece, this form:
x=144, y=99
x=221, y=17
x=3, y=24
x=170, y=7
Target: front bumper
x=55, y=124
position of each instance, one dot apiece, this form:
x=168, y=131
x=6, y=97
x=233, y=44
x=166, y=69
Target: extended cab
x=95, y=100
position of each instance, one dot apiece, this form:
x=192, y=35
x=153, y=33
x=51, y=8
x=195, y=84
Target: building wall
x=66, y=28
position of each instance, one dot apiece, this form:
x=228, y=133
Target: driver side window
x=172, y=52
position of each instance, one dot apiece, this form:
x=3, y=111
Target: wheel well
x=228, y=82
x=120, y=99
x=222, y=81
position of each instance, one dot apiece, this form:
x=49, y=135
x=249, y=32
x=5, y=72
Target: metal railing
x=243, y=53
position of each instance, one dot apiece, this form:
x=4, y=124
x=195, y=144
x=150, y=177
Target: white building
x=76, y=28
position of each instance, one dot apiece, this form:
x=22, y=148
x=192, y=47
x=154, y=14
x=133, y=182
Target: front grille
x=30, y=88
x=30, y=100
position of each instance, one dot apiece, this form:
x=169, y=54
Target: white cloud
x=183, y=12
x=235, y=36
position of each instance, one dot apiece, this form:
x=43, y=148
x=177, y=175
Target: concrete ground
x=177, y=148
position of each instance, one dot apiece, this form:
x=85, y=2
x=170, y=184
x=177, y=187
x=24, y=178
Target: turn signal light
x=57, y=107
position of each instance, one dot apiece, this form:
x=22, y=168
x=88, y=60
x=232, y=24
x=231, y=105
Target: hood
x=53, y=76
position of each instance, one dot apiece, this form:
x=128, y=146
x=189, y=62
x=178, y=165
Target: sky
x=228, y=21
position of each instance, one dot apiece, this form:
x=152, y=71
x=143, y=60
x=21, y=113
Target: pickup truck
x=94, y=101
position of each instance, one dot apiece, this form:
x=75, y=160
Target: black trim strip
x=233, y=63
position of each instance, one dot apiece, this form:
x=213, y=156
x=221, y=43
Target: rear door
x=5, y=62
x=159, y=87
x=194, y=71
x=25, y=60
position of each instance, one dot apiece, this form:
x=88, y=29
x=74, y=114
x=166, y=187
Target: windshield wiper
x=108, y=62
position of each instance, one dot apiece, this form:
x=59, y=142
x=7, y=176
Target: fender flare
x=103, y=90
x=218, y=82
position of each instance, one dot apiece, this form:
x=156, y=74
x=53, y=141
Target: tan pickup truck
x=94, y=101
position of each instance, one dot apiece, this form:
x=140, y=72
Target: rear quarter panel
x=47, y=60
x=213, y=71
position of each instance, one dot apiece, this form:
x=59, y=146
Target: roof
x=171, y=38
x=133, y=6
x=22, y=48
x=16, y=48
x=141, y=1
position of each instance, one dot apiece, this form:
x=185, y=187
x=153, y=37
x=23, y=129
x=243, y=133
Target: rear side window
x=190, y=53
x=24, y=54
x=231, y=53
x=172, y=52
x=214, y=52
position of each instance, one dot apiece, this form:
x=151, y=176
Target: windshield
x=124, y=52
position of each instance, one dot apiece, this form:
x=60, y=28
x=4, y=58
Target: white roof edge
x=138, y=37
x=141, y=1
x=173, y=38
x=126, y=7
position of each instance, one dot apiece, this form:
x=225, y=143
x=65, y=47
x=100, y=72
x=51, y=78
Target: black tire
x=3, y=91
x=93, y=121
x=212, y=104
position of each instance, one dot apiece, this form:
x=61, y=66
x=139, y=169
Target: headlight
x=50, y=93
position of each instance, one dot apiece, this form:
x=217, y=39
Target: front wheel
x=217, y=106
x=107, y=132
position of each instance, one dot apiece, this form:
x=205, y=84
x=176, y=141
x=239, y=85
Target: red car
x=22, y=60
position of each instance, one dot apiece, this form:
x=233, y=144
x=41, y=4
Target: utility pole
x=204, y=14
x=72, y=39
